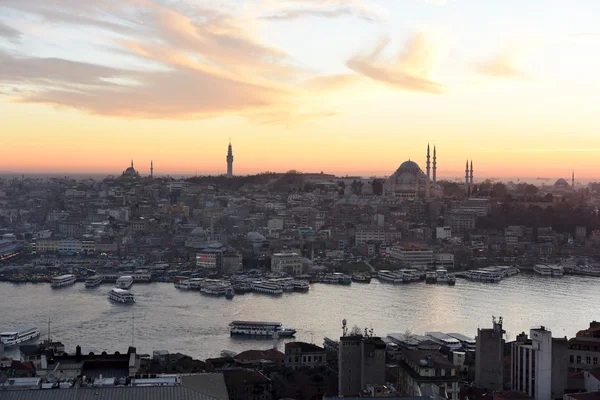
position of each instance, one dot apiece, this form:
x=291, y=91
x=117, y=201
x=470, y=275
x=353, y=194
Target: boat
x=229, y=294
x=218, y=289
x=451, y=280
x=389, y=276
x=63, y=280
x=256, y=328
x=121, y=296
x=431, y=277
x=300, y=285
x=266, y=287
x=241, y=288
x=361, y=278
x=441, y=275
x=93, y=281
x=542, y=269
x=19, y=334
x=124, y=282
x=556, y=270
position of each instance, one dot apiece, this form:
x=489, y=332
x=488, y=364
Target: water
x=165, y=318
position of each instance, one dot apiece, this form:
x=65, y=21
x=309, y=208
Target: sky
x=340, y=86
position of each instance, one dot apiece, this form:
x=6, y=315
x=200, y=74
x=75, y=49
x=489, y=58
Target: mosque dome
x=561, y=183
x=409, y=166
x=130, y=170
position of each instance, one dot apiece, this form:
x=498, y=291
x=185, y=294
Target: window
x=571, y=358
x=578, y=359
x=595, y=359
x=588, y=360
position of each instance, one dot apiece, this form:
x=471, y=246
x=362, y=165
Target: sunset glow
x=340, y=86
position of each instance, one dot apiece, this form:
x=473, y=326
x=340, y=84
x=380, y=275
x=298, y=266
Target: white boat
x=266, y=287
x=300, y=285
x=19, y=334
x=121, y=296
x=389, y=276
x=63, y=280
x=124, y=282
x=215, y=289
x=556, y=270
x=542, y=269
x=93, y=281
x=256, y=328
x=441, y=276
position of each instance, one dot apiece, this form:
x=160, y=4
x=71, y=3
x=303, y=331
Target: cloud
x=9, y=33
x=503, y=65
x=410, y=70
x=296, y=9
x=210, y=63
x=330, y=82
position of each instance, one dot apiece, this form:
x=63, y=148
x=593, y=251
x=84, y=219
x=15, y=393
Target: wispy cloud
x=510, y=61
x=211, y=63
x=8, y=32
x=295, y=9
x=410, y=70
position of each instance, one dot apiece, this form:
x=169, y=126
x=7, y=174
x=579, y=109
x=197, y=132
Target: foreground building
x=489, y=357
x=361, y=363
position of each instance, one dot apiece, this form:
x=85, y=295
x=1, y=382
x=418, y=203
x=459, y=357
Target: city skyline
x=340, y=86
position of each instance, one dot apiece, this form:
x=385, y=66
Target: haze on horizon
x=340, y=86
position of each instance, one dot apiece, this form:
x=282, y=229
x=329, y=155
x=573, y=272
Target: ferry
x=63, y=280
x=266, y=287
x=441, y=276
x=361, y=278
x=121, y=296
x=300, y=285
x=557, y=270
x=431, y=277
x=542, y=269
x=389, y=276
x=124, y=282
x=337, y=278
x=18, y=335
x=252, y=328
x=93, y=281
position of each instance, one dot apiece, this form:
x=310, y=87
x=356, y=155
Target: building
x=290, y=263
x=377, y=235
x=536, y=365
x=444, y=260
x=580, y=233
x=361, y=362
x=245, y=384
x=231, y=263
x=229, y=161
x=420, y=369
x=301, y=354
x=489, y=357
x=461, y=221
x=410, y=182
x=413, y=255
x=584, y=349
x=443, y=232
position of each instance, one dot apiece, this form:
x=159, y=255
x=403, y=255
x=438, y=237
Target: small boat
x=229, y=294
x=361, y=278
x=300, y=285
x=266, y=329
x=63, y=280
x=93, y=281
x=431, y=277
x=121, y=296
x=19, y=334
x=124, y=282
x=451, y=280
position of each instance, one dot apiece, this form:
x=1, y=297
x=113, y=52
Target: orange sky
x=344, y=86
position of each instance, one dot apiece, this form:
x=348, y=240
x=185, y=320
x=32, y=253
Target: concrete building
x=584, y=349
x=379, y=235
x=461, y=221
x=361, y=362
x=413, y=255
x=301, y=354
x=443, y=232
x=580, y=233
x=420, y=369
x=231, y=263
x=489, y=357
x=535, y=365
x=290, y=263
x=444, y=260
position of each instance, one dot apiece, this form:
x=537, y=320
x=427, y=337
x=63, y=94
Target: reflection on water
x=166, y=318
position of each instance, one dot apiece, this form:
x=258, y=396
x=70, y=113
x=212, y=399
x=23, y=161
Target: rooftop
x=305, y=347
x=109, y=393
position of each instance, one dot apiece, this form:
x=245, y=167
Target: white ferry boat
x=441, y=275
x=93, y=281
x=542, y=269
x=63, y=280
x=121, y=296
x=389, y=276
x=266, y=287
x=300, y=285
x=19, y=334
x=252, y=328
x=556, y=270
x=124, y=282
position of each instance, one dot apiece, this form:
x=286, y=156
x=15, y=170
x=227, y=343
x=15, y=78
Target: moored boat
x=361, y=278
x=93, y=281
x=124, y=282
x=19, y=334
x=229, y=293
x=62, y=281
x=431, y=277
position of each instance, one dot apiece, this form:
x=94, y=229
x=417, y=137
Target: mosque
x=131, y=173
x=410, y=182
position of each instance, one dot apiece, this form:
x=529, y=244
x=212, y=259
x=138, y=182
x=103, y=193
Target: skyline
x=340, y=86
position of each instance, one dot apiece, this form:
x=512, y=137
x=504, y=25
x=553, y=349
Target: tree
x=499, y=189
x=355, y=331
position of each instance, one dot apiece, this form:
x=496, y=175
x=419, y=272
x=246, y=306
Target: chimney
x=78, y=353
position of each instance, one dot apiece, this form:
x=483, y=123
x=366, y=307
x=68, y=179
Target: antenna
x=344, y=327
x=132, y=328
x=48, y=331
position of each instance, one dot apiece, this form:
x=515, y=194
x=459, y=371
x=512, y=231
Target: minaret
x=132, y=163
x=573, y=180
x=467, y=177
x=471, y=172
x=428, y=163
x=229, y=161
x=434, y=166
x=151, y=169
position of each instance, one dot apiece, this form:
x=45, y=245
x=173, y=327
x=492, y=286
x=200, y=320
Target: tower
x=573, y=180
x=428, y=163
x=229, y=160
x=132, y=163
x=151, y=169
x=471, y=180
x=434, y=165
x=467, y=175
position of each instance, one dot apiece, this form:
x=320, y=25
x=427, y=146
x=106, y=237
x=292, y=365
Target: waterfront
x=167, y=318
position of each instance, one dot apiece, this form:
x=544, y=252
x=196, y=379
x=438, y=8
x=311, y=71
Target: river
x=165, y=318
